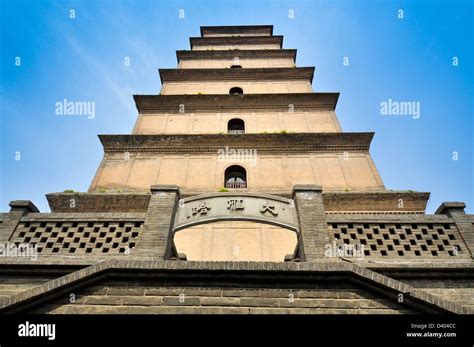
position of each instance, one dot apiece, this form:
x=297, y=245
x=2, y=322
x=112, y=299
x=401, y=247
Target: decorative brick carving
x=396, y=240
x=79, y=237
x=250, y=74
x=236, y=103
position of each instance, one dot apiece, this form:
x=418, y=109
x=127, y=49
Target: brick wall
x=141, y=297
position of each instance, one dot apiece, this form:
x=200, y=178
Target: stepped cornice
x=254, y=74
x=239, y=53
x=196, y=103
x=262, y=143
x=237, y=29
x=236, y=40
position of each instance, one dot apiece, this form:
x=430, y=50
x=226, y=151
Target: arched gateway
x=231, y=226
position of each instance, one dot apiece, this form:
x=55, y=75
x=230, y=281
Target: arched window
x=236, y=90
x=236, y=67
x=236, y=126
x=235, y=177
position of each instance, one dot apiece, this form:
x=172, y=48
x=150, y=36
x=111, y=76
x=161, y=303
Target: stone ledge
x=306, y=188
x=194, y=103
x=164, y=188
x=249, y=74
x=380, y=205
x=236, y=29
x=25, y=206
x=240, y=53
x=264, y=143
x=448, y=207
x=375, y=201
x=383, y=265
x=98, y=202
x=239, y=40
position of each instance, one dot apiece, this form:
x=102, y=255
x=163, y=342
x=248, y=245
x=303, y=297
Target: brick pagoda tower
x=238, y=167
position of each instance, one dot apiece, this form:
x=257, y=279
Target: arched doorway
x=235, y=177
x=236, y=126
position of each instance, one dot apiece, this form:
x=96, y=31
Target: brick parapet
x=18, y=209
x=464, y=222
x=313, y=231
x=157, y=240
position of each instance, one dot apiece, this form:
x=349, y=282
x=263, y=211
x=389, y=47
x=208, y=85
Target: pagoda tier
x=236, y=103
x=247, y=30
x=204, y=43
x=265, y=74
x=261, y=143
x=240, y=54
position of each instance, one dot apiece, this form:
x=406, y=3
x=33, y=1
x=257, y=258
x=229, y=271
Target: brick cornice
x=237, y=29
x=241, y=54
x=378, y=206
x=254, y=74
x=355, y=202
x=235, y=103
x=263, y=143
x=236, y=40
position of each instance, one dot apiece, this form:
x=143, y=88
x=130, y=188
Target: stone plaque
x=228, y=206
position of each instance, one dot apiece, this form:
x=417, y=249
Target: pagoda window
x=236, y=67
x=236, y=90
x=235, y=177
x=236, y=126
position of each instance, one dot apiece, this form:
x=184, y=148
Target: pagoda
x=235, y=190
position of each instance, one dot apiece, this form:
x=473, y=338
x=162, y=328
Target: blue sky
x=82, y=59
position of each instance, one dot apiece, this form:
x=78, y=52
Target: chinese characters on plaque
x=234, y=206
x=199, y=210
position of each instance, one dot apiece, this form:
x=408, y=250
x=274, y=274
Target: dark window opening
x=235, y=177
x=236, y=126
x=236, y=90
x=236, y=67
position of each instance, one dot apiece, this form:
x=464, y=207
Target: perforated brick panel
x=401, y=240
x=79, y=238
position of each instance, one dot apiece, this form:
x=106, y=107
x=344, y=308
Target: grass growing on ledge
x=223, y=190
x=69, y=191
